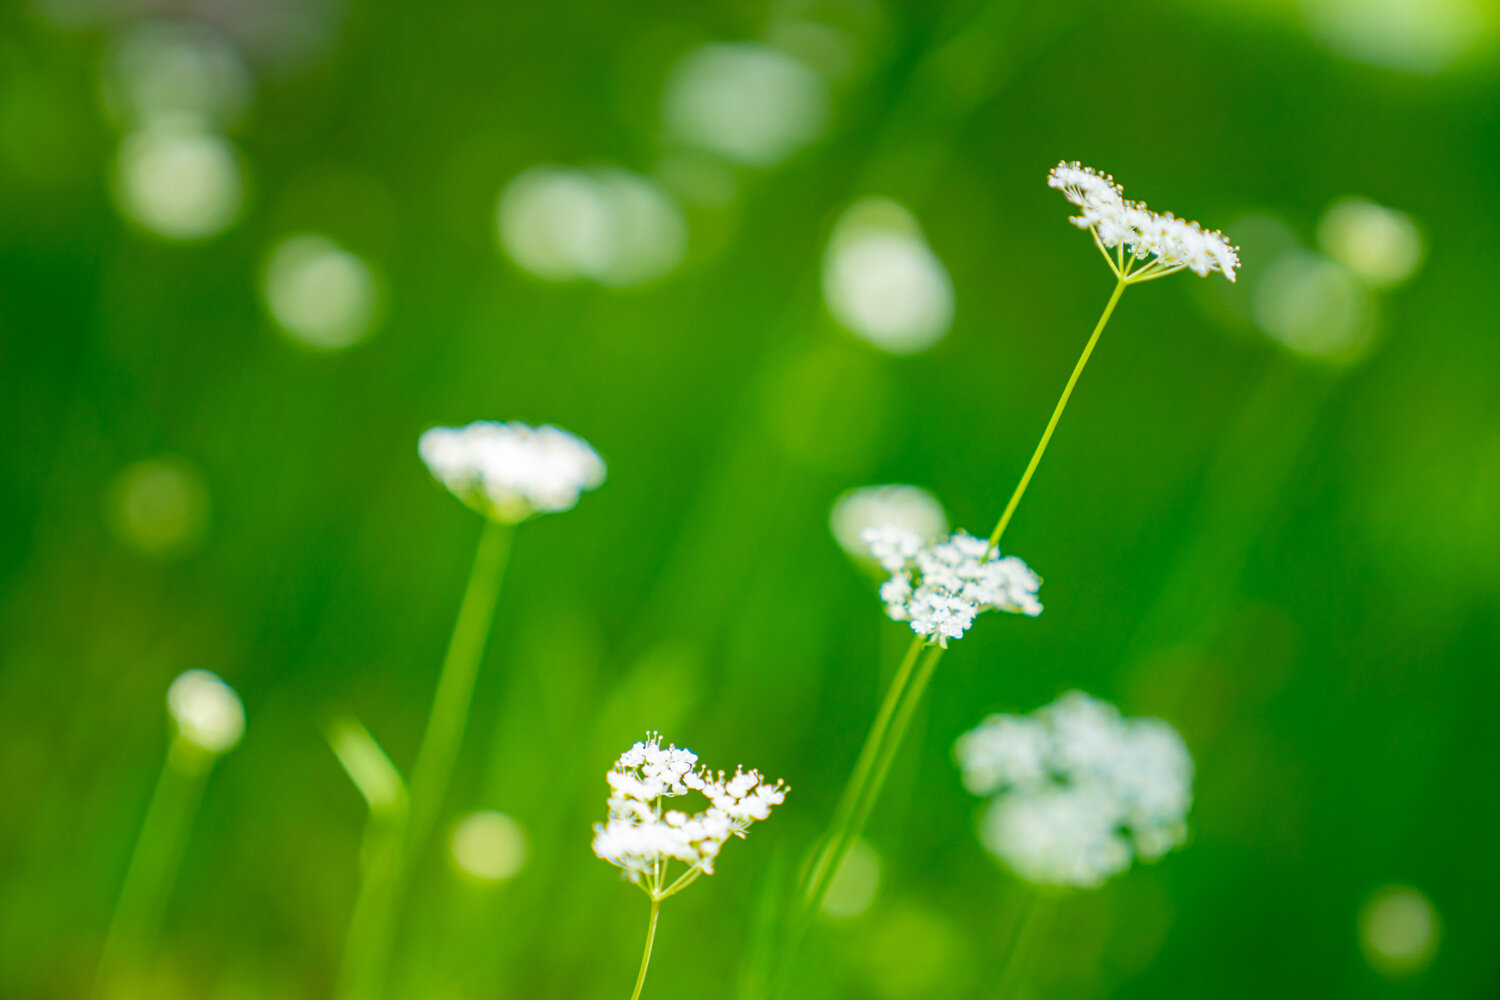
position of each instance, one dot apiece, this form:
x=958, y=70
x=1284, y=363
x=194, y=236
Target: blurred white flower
x=208, y=713
x=748, y=103
x=1399, y=931
x=510, y=471
x=177, y=179
x=1163, y=243
x=158, y=506
x=883, y=283
x=603, y=224
x=909, y=508
x=1381, y=245
x=940, y=587
x=1315, y=307
x=1414, y=36
x=163, y=67
x=1078, y=790
x=319, y=293
x=641, y=836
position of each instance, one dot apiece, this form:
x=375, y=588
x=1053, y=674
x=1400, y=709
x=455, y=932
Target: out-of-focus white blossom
x=1161, y=243
x=1399, y=931
x=1079, y=791
x=319, y=293
x=882, y=281
x=641, y=836
x=941, y=587
x=488, y=846
x=208, y=713
x=510, y=471
x=909, y=508
x=1381, y=245
x=178, y=179
x=748, y=103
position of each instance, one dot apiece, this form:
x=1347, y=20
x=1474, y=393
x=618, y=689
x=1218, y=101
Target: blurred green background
x=1271, y=514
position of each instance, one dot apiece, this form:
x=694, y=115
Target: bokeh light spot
x=179, y=180
x=488, y=846
x=319, y=293
x=748, y=103
x=909, y=507
x=883, y=283
x=1381, y=245
x=1417, y=36
x=1315, y=307
x=162, y=68
x=158, y=506
x=854, y=886
x=1399, y=930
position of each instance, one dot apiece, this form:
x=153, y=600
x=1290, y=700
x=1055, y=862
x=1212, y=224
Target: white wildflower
x=510, y=471
x=1080, y=792
x=1161, y=242
x=940, y=587
x=642, y=837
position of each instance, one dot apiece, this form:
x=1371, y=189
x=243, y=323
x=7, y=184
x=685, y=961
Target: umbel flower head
x=940, y=587
x=1078, y=791
x=510, y=471
x=1147, y=244
x=642, y=837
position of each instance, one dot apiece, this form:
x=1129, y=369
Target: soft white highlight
x=641, y=835
x=510, y=471
x=208, y=713
x=883, y=283
x=1079, y=791
x=1161, y=242
x=910, y=508
x=319, y=293
x=941, y=587
x=179, y=180
x=748, y=103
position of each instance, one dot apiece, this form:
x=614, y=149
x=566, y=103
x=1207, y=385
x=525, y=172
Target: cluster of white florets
x=510, y=471
x=940, y=587
x=641, y=834
x=1173, y=243
x=1079, y=791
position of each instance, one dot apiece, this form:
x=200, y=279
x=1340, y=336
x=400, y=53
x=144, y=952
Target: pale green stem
x=640, y=979
x=391, y=849
x=136, y=923
x=841, y=830
x=1031, y=925
x=1057, y=412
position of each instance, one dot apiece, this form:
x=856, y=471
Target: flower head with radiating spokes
x=940, y=587
x=642, y=837
x=1079, y=791
x=511, y=471
x=1146, y=244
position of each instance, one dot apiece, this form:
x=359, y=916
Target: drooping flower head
x=1078, y=791
x=642, y=836
x=1161, y=242
x=510, y=471
x=940, y=587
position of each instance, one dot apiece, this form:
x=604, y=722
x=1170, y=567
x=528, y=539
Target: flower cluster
x=1079, y=791
x=510, y=471
x=1173, y=243
x=641, y=837
x=940, y=587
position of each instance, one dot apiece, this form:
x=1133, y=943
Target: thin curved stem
x=394, y=843
x=816, y=878
x=1057, y=412
x=640, y=979
x=136, y=922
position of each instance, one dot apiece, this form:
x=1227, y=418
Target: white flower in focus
x=641, y=836
x=510, y=471
x=1079, y=791
x=1162, y=243
x=910, y=508
x=208, y=713
x=940, y=587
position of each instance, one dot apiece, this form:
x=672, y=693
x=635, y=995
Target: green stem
x=1031, y=924
x=136, y=923
x=393, y=845
x=1057, y=411
x=841, y=831
x=640, y=979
